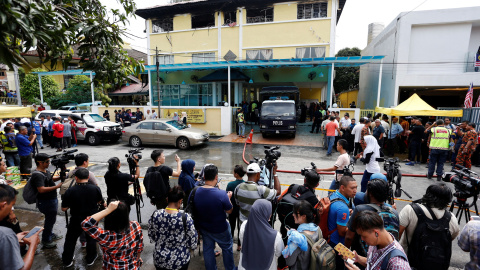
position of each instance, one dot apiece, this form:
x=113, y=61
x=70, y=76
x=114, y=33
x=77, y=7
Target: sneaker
x=83, y=244
x=411, y=163
x=41, y=147
x=56, y=237
x=93, y=261
x=50, y=244
x=71, y=262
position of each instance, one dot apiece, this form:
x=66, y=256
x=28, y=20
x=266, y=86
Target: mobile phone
x=287, y=227
x=476, y=218
x=33, y=231
x=344, y=251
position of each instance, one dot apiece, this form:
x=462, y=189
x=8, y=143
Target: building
x=202, y=31
x=431, y=53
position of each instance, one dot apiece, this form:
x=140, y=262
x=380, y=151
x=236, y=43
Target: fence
x=364, y=113
x=8, y=100
x=471, y=115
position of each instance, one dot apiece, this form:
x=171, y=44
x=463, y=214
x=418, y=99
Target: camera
x=466, y=182
x=60, y=160
x=304, y=171
x=394, y=176
x=133, y=155
x=267, y=164
x=272, y=155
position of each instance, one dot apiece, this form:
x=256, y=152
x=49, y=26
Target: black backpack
x=285, y=206
x=155, y=185
x=190, y=209
x=431, y=246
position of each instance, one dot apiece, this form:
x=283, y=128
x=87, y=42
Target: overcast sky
x=352, y=28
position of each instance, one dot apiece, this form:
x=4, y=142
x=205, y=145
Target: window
x=311, y=11
x=2, y=73
x=203, y=21
x=185, y=95
x=260, y=15
x=145, y=125
x=230, y=18
x=260, y=54
x=165, y=25
x=203, y=57
x=159, y=126
x=310, y=52
x=165, y=60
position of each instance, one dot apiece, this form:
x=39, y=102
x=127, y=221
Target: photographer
x=118, y=182
x=339, y=167
x=47, y=201
x=434, y=202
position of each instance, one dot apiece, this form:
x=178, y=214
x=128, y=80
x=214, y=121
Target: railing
x=471, y=115
x=364, y=113
x=8, y=100
x=470, y=62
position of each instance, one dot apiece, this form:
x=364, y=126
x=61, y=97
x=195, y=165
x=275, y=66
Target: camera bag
x=286, y=202
x=30, y=192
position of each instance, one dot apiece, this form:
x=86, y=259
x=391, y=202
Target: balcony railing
x=470, y=62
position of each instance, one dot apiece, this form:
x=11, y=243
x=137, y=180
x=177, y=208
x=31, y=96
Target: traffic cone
x=250, y=137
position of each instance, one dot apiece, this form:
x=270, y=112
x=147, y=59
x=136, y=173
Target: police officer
x=439, y=144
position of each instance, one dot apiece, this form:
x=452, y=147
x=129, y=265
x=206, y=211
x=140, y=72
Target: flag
x=477, y=104
x=477, y=60
x=469, y=97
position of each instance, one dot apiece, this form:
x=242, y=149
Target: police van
x=278, y=117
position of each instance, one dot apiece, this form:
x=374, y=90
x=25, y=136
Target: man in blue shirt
x=340, y=212
x=213, y=223
x=378, y=132
x=25, y=149
x=393, y=136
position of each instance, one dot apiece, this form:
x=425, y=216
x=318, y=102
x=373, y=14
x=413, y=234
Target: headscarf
x=186, y=179
x=259, y=237
x=175, y=116
x=372, y=147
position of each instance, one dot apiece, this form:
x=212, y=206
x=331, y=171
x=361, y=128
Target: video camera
x=266, y=165
x=133, y=156
x=466, y=182
x=60, y=160
x=304, y=171
x=271, y=155
x=394, y=176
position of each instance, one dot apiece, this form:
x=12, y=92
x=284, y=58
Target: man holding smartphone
x=10, y=257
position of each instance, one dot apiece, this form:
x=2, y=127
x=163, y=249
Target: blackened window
x=164, y=25
x=260, y=15
x=203, y=21
x=312, y=11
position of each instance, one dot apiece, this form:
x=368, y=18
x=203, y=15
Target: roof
x=137, y=55
x=209, y=6
x=415, y=105
x=132, y=89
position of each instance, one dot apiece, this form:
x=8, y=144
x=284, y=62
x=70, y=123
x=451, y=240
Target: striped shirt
x=469, y=241
x=247, y=193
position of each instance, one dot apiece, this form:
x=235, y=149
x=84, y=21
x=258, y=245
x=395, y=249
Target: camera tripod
x=464, y=207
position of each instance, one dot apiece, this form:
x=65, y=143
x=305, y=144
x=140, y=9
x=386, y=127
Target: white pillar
x=41, y=89
x=219, y=36
x=93, y=88
x=235, y=94
x=229, y=89
x=240, y=33
x=331, y=85
x=379, y=83
x=150, y=89
x=17, y=86
x=214, y=94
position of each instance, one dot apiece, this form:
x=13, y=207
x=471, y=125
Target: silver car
x=164, y=132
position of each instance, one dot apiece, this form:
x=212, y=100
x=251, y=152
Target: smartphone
x=33, y=231
x=344, y=251
x=287, y=227
x=476, y=218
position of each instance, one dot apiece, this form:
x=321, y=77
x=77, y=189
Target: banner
x=194, y=116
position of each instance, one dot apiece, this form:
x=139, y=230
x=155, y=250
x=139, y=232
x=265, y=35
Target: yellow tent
x=10, y=112
x=414, y=105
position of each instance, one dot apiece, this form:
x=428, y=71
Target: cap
x=379, y=176
x=253, y=168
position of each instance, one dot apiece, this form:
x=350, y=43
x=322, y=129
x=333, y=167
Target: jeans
x=13, y=159
x=73, y=232
x=414, y=148
x=225, y=241
x=330, y=142
x=316, y=124
x=365, y=179
x=39, y=140
x=391, y=144
x=358, y=149
x=437, y=157
x=49, y=209
x=67, y=142
x=234, y=220
x=241, y=129
x=333, y=186
x=25, y=165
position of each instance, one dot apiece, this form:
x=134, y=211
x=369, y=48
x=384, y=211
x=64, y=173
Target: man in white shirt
x=357, y=131
x=154, y=115
x=149, y=115
x=345, y=122
x=385, y=125
x=324, y=131
x=339, y=167
x=5, y=123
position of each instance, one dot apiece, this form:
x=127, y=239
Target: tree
x=30, y=87
x=347, y=78
x=54, y=27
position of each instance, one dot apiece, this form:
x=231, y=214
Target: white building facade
x=431, y=53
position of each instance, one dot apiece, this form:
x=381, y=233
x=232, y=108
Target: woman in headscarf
x=175, y=116
x=184, y=117
x=369, y=157
x=261, y=244
x=186, y=179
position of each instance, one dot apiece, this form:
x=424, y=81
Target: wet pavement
x=225, y=156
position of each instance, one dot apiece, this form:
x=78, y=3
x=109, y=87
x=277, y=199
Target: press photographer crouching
x=118, y=182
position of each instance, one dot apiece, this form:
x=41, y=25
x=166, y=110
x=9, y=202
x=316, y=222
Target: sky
x=352, y=29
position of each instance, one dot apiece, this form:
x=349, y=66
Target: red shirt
x=331, y=127
x=57, y=130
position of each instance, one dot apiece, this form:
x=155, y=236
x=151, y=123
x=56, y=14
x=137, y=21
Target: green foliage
x=79, y=90
x=30, y=87
x=52, y=28
x=347, y=78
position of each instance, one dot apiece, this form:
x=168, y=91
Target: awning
x=10, y=112
x=414, y=105
x=279, y=89
x=222, y=76
x=132, y=89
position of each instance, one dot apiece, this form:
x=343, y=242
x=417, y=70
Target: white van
x=90, y=126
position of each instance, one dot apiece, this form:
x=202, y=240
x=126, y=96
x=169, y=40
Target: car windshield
x=278, y=109
x=92, y=118
x=177, y=124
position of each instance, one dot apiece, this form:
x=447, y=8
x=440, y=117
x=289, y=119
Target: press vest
x=440, y=138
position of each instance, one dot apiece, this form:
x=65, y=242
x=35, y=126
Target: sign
x=194, y=116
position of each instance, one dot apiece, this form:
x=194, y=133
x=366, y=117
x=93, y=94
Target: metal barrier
x=470, y=115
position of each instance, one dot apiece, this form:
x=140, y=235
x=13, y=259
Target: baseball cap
x=378, y=176
x=253, y=168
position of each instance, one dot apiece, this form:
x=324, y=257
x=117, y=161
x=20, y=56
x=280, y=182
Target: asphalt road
x=225, y=156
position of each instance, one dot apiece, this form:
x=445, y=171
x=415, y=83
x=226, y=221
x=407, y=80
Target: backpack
x=68, y=183
x=391, y=254
x=154, y=184
x=190, y=209
x=30, y=192
x=322, y=255
x=323, y=209
x=11, y=140
x=285, y=205
x=431, y=246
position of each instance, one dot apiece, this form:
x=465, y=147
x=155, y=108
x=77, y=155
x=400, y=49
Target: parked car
x=164, y=132
x=70, y=108
x=90, y=126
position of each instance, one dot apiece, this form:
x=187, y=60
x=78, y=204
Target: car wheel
x=293, y=135
x=93, y=139
x=135, y=141
x=264, y=135
x=183, y=143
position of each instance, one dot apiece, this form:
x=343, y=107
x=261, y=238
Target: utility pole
x=158, y=81
x=17, y=85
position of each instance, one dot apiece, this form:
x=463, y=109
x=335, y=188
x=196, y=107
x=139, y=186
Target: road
x=225, y=156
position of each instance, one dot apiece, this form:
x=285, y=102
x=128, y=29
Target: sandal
x=217, y=253
x=239, y=248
